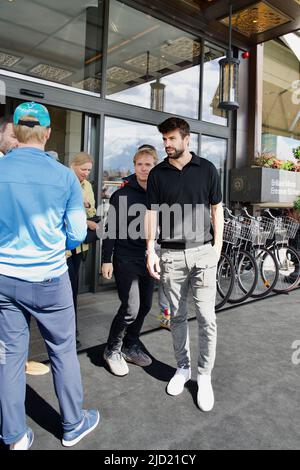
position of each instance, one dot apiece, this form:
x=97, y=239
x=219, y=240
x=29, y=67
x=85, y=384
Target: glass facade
x=147, y=57
x=150, y=66
x=215, y=150
x=281, y=97
x=58, y=41
x=122, y=139
x=211, y=89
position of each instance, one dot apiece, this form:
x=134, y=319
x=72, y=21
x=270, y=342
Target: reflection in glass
x=55, y=41
x=211, y=86
x=152, y=64
x=281, y=99
x=215, y=150
x=122, y=138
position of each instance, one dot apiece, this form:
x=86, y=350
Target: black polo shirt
x=183, y=199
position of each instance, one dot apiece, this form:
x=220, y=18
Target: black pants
x=135, y=288
x=74, y=263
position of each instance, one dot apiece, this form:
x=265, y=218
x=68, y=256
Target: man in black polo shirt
x=184, y=199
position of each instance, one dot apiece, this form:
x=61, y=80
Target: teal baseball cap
x=34, y=110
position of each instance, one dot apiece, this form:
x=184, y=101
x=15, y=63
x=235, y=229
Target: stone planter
x=258, y=185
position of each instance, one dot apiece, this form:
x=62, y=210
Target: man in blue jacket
x=41, y=216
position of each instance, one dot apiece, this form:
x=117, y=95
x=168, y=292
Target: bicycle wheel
x=225, y=280
x=288, y=261
x=268, y=272
x=246, y=275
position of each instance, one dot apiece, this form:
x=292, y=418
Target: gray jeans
x=195, y=268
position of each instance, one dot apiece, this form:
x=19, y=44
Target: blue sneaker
x=25, y=443
x=89, y=422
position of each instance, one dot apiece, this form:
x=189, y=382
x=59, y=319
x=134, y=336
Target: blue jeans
x=51, y=304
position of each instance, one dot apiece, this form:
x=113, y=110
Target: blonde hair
x=26, y=134
x=146, y=151
x=81, y=158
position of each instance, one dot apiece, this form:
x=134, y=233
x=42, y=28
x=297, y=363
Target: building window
x=215, y=150
x=122, y=138
x=152, y=64
x=281, y=97
x=58, y=41
x=211, y=85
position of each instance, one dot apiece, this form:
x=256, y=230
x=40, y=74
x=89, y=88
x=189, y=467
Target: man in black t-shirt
x=183, y=196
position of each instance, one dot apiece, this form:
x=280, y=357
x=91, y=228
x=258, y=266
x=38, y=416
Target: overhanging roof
x=254, y=21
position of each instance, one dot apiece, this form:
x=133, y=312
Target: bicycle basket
x=286, y=228
x=232, y=230
x=249, y=229
x=266, y=229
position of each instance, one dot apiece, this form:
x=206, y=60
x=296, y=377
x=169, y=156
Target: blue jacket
x=41, y=215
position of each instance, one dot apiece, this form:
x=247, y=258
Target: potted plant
x=294, y=213
x=296, y=153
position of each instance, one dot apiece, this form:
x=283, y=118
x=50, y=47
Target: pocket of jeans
x=166, y=264
x=207, y=260
x=54, y=295
x=210, y=277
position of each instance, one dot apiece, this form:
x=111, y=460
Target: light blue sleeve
x=75, y=217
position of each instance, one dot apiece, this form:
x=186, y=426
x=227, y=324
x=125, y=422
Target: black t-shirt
x=183, y=199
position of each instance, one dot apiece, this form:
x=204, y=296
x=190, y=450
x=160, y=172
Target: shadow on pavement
x=192, y=387
x=42, y=413
x=96, y=356
x=3, y=447
x=158, y=370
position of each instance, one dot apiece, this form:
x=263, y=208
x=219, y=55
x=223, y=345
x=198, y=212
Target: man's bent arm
x=75, y=218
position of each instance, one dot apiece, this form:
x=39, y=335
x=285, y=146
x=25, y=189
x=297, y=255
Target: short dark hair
x=4, y=120
x=173, y=124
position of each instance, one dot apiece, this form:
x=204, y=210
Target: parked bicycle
x=256, y=257
x=287, y=257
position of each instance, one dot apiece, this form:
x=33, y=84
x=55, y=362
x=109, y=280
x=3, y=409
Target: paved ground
x=256, y=386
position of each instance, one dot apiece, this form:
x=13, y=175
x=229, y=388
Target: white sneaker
x=116, y=363
x=177, y=383
x=25, y=442
x=205, y=398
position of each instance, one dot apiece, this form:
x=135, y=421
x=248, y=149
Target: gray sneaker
x=116, y=363
x=136, y=356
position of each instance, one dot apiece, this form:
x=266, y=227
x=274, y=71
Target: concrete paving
x=255, y=380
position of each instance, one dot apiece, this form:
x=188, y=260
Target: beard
x=176, y=155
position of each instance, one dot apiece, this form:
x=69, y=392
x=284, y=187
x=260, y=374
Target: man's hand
x=107, y=270
x=153, y=265
x=218, y=248
x=92, y=225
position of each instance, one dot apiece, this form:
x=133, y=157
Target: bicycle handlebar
x=230, y=213
x=267, y=211
x=247, y=213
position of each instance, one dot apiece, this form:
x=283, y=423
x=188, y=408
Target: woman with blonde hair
x=82, y=165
